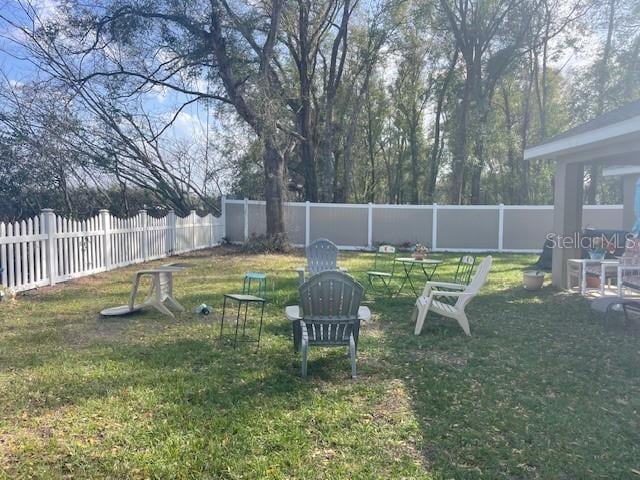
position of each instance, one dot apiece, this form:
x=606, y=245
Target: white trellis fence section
x=49, y=249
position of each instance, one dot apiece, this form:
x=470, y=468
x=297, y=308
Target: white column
x=434, y=227
x=48, y=225
x=246, y=219
x=500, y=226
x=193, y=216
x=105, y=224
x=144, y=237
x=223, y=215
x=567, y=217
x=370, y=226
x=307, y=223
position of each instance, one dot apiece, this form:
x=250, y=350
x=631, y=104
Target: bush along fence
x=49, y=249
x=469, y=228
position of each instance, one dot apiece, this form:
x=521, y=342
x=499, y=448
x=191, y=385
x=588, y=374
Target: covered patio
x=612, y=140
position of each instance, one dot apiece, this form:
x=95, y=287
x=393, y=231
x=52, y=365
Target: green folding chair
x=383, y=269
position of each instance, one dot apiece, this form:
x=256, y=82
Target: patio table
x=577, y=269
x=428, y=266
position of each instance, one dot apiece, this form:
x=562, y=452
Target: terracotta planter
x=593, y=282
x=532, y=279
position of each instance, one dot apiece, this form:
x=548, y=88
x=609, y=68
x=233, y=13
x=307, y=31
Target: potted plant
x=532, y=279
x=420, y=251
x=599, y=246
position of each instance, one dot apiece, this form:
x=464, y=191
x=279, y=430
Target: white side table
x=612, y=263
x=577, y=268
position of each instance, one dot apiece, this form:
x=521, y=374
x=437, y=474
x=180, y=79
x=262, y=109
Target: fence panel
x=48, y=249
x=513, y=228
x=22, y=254
x=402, y=225
x=344, y=225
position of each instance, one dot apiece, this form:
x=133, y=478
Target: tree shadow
x=524, y=382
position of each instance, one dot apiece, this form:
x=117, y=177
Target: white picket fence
x=49, y=249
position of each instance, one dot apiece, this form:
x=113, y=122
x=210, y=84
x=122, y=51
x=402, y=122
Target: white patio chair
x=464, y=293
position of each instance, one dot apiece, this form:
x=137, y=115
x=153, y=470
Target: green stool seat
x=259, y=279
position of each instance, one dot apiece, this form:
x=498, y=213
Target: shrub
x=266, y=244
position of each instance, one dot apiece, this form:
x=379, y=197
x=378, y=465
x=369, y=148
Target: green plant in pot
x=599, y=246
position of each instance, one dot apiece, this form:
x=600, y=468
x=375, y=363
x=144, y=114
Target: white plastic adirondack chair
x=464, y=293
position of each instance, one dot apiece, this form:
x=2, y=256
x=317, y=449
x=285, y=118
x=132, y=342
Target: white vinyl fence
x=49, y=249
x=480, y=228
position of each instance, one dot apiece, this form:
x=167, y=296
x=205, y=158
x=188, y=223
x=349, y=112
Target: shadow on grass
x=541, y=389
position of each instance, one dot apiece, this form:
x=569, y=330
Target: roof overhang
x=620, y=131
x=621, y=170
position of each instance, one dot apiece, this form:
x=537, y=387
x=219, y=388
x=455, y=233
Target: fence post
x=307, y=223
x=171, y=231
x=193, y=217
x=246, y=219
x=370, y=226
x=434, y=227
x=223, y=215
x=144, y=237
x=212, y=234
x=48, y=224
x=106, y=238
x=500, y=226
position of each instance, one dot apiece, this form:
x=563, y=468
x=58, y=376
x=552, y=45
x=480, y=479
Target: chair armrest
x=446, y=293
x=455, y=286
x=292, y=312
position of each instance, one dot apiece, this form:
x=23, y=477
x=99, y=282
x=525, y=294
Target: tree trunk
x=460, y=147
x=435, y=150
x=273, y=190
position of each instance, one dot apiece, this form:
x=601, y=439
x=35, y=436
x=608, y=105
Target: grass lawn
x=541, y=390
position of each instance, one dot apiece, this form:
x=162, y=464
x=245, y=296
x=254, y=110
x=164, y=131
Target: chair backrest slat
x=322, y=255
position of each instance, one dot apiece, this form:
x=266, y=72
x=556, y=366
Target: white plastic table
x=161, y=291
x=577, y=269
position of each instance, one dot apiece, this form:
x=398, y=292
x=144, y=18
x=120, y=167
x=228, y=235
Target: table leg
x=619, y=282
x=429, y=275
x=404, y=280
x=583, y=280
x=260, y=328
x=224, y=307
x=413, y=288
x=235, y=339
x=603, y=275
x=246, y=309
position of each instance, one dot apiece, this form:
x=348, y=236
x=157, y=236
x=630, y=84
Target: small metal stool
x=261, y=280
x=245, y=300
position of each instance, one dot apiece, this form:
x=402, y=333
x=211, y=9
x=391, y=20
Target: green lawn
x=541, y=390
